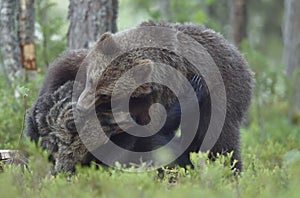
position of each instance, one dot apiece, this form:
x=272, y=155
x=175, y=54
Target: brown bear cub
x=51, y=116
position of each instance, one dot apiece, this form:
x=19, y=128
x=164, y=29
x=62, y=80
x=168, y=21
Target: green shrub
x=12, y=107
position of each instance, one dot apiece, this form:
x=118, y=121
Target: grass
x=271, y=169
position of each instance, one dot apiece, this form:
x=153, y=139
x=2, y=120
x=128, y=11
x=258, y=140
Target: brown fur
x=237, y=78
x=62, y=70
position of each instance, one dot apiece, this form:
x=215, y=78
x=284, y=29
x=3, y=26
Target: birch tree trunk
x=26, y=34
x=9, y=42
x=238, y=20
x=292, y=52
x=89, y=19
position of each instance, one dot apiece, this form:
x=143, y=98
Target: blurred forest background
x=34, y=32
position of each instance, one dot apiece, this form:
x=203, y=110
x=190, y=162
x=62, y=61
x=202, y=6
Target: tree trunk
x=10, y=45
x=26, y=34
x=292, y=36
x=292, y=51
x=238, y=20
x=89, y=19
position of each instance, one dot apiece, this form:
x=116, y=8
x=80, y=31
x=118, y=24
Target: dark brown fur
x=62, y=70
x=237, y=78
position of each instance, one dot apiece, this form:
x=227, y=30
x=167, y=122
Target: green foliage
x=272, y=96
x=10, y=108
x=12, y=105
x=180, y=11
x=187, y=11
x=209, y=179
x=51, y=39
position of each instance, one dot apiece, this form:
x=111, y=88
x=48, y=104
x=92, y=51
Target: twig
x=24, y=118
